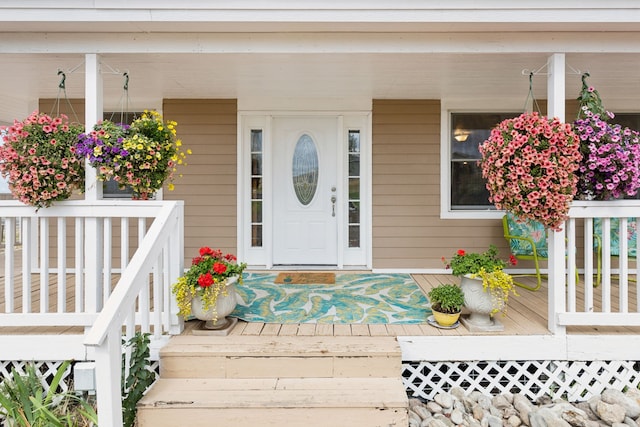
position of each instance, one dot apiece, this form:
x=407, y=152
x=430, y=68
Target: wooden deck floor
x=526, y=315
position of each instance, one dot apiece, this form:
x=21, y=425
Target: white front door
x=305, y=179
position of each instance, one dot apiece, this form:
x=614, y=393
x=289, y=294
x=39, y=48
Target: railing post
x=176, y=269
x=9, y=271
x=108, y=357
x=557, y=280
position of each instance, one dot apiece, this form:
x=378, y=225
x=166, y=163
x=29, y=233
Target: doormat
x=354, y=298
x=306, y=278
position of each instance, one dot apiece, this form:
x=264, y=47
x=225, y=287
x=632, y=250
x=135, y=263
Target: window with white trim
x=466, y=132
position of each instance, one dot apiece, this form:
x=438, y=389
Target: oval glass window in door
x=305, y=169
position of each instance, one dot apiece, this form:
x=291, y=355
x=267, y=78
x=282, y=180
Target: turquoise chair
x=527, y=241
x=632, y=239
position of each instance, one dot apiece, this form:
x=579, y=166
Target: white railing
x=140, y=300
x=577, y=246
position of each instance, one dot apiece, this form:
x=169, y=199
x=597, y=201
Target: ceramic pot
x=445, y=319
x=225, y=304
x=477, y=301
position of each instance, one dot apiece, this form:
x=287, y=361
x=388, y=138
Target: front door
x=304, y=190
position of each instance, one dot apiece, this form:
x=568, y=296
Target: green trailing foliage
x=139, y=379
x=590, y=100
x=24, y=402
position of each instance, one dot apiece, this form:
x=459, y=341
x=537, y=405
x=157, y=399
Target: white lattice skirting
x=570, y=380
x=47, y=371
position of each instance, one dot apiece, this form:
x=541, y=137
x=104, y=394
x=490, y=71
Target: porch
x=527, y=315
x=81, y=317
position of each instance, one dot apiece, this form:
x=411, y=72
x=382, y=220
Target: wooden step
x=278, y=402
x=190, y=356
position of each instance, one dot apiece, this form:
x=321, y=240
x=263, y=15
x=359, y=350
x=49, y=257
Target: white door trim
x=262, y=257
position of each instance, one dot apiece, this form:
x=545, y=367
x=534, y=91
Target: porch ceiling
x=462, y=80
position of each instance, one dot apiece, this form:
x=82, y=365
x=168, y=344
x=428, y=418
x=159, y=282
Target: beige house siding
x=407, y=230
x=209, y=182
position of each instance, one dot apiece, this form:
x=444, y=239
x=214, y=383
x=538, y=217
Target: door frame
x=259, y=121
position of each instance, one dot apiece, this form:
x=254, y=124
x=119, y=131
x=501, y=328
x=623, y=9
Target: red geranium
x=219, y=268
x=205, y=280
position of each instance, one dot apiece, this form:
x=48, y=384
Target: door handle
x=333, y=205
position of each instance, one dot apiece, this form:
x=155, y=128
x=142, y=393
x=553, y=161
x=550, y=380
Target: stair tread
x=267, y=346
x=275, y=392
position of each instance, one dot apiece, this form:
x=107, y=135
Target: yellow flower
x=171, y=187
x=178, y=143
x=189, y=151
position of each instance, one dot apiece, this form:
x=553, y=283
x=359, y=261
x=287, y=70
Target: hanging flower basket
x=141, y=156
x=38, y=159
x=610, y=166
x=530, y=165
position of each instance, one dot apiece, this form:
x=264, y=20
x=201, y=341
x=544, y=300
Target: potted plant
x=141, y=156
x=38, y=159
x=610, y=166
x=530, y=164
x=446, y=301
x=206, y=291
x=485, y=285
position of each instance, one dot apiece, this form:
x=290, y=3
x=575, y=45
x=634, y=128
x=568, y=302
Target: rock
x=610, y=413
x=576, y=417
x=414, y=416
x=457, y=417
x=475, y=395
x=457, y=393
x=459, y=405
x=434, y=408
x=584, y=406
x=523, y=406
x=500, y=401
x=422, y=412
x=412, y=423
x=415, y=402
x=630, y=405
x=630, y=422
x=633, y=393
x=496, y=412
x=468, y=404
x=444, y=399
x=593, y=404
x=546, y=417
x=544, y=400
x=514, y=421
x=445, y=420
x=477, y=412
x=494, y=421
x=433, y=422
x=484, y=402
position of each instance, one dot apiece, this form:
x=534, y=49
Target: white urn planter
x=225, y=304
x=480, y=305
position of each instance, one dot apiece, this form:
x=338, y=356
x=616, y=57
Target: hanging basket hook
x=61, y=85
x=126, y=81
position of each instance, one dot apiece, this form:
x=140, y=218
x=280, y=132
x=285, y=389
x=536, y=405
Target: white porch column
x=93, y=189
x=92, y=114
x=557, y=278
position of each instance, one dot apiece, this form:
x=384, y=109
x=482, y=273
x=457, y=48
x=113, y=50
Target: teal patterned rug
x=354, y=298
